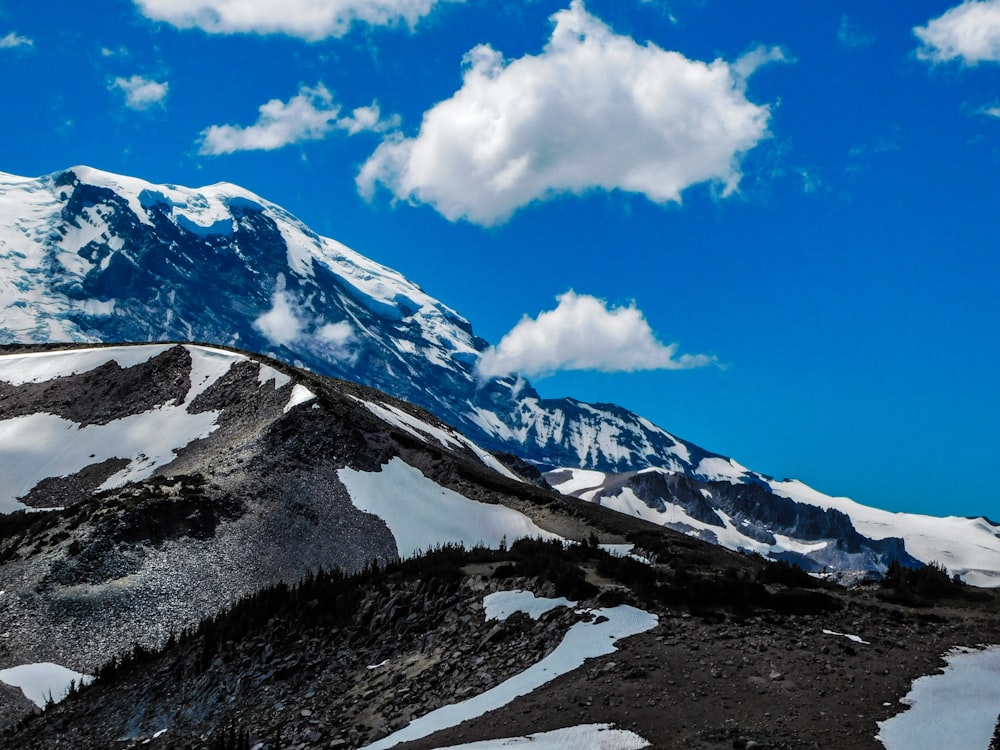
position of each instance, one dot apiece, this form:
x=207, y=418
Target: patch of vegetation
x=787, y=574
x=923, y=586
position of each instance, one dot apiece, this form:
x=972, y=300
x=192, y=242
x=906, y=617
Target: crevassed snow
x=30, y=210
x=955, y=709
x=588, y=736
x=585, y=640
x=422, y=514
x=969, y=547
x=300, y=395
x=43, y=680
x=502, y=604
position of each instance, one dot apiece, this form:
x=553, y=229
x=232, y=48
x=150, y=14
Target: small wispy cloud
x=852, y=35
x=969, y=32
x=584, y=333
x=141, y=93
x=308, y=19
x=311, y=115
x=13, y=40
x=993, y=111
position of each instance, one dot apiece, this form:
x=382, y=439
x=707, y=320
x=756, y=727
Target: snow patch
x=956, y=708
x=44, y=680
x=38, y=446
x=590, y=736
x=585, y=640
x=848, y=636
x=422, y=430
x=300, y=395
x=422, y=514
x=722, y=470
x=502, y=604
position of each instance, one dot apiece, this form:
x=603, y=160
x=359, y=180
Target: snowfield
x=955, y=709
x=585, y=640
x=968, y=547
x=422, y=514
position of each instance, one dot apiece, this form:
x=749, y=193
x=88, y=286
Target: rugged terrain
x=217, y=537
x=90, y=256
x=341, y=662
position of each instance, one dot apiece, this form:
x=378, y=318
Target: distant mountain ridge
x=90, y=256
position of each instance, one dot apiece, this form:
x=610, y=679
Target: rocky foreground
x=737, y=659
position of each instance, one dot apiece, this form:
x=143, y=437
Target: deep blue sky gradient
x=850, y=286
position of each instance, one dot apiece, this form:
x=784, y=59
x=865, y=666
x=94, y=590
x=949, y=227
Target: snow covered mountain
x=787, y=520
x=90, y=256
x=87, y=256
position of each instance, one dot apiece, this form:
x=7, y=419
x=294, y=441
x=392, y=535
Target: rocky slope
x=167, y=481
x=726, y=660
x=90, y=256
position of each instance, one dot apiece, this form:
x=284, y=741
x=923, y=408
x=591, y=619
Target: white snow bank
x=583, y=641
x=955, y=709
x=39, y=446
x=589, y=736
x=42, y=681
x=422, y=514
x=502, y=604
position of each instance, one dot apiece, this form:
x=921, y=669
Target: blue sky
x=785, y=211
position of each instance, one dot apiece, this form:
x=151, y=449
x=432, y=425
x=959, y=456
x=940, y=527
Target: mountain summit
x=88, y=256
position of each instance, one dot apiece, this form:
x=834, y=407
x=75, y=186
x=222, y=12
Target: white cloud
x=308, y=19
x=280, y=325
x=14, y=40
x=594, y=110
x=310, y=115
x=141, y=93
x=852, y=35
x=991, y=111
x=583, y=333
x=970, y=31
x=340, y=333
